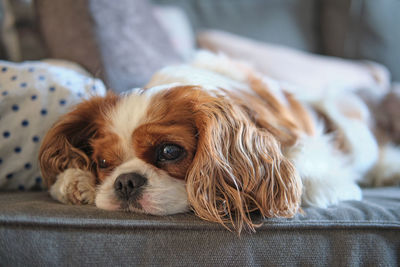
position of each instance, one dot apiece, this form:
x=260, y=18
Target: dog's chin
x=107, y=203
x=144, y=204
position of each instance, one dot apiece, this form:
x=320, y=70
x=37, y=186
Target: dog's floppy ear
x=67, y=143
x=238, y=168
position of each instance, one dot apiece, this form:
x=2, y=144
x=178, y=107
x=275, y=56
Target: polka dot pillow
x=32, y=96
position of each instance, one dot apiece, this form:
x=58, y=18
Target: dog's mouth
x=140, y=204
x=161, y=199
x=128, y=191
x=131, y=205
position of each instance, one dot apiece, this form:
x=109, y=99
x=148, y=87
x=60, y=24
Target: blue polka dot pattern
x=25, y=123
x=32, y=92
x=15, y=107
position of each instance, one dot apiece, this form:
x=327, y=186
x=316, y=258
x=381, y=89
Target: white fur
x=212, y=72
x=329, y=175
x=161, y=195
x=189, y=75
x=220, y=63
x=74, y=186
x=127, y=116
x=359, y=140
x=234, y=70
x=326, y=173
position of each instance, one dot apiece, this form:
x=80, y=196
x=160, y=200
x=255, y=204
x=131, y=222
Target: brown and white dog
x=215, y=137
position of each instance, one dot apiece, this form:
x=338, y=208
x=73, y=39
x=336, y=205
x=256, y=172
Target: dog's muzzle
x=128, y=186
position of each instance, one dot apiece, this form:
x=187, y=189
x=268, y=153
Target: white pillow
x=32, y=96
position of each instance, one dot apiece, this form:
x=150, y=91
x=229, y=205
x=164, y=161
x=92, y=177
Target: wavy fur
x=238, y=168
x=67, y=143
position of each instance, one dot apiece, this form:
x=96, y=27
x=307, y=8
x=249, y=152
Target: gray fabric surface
x=67, y=33
x=121, y=43
x=34, y=229
x=132, y=43
x=357, y=29
x=290, y=22
x=363, y=29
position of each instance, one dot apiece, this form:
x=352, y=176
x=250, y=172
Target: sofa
x=35, y=230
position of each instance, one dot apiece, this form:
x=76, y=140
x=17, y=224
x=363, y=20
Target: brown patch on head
x=232, y=167
x=68, y=143
x=107, y=153
x=168, y=121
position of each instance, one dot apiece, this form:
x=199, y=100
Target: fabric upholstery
x=365, y=29
x=19, y=35
x=33, y=95
x=353, y=233
x=133, y=45
x=67, y=33
x=35, y=230
x=123, y=44
x=310, y=74
x=290, y=23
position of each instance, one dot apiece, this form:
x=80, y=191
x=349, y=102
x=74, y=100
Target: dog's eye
x=169, y=152
x=103, y=164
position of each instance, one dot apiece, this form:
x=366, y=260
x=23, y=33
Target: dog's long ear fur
x=238, y=168
x=67, y=143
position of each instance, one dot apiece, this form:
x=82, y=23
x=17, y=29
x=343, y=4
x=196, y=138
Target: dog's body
x=214, y=136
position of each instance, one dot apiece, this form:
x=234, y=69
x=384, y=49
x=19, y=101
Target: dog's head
x=174, y=150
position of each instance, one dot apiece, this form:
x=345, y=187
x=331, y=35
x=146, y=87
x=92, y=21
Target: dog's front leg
x=74, y=186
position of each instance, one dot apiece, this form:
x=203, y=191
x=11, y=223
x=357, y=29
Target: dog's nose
x=128, y=185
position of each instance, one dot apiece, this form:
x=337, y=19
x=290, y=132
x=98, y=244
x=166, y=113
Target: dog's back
x=327, y=138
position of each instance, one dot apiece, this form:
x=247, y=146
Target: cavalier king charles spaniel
x=213, y=136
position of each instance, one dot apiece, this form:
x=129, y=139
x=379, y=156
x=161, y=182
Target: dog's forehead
x=127, y=115
x=132, y=111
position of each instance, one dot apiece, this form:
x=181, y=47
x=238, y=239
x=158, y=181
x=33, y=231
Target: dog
x=213, y=136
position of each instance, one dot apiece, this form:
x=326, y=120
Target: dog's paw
x=74, y=186
x=322, y=194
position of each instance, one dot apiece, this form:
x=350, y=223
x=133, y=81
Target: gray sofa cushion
x=365, y=29
x=121, y=43
x=290, y=22
x=35, y=229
